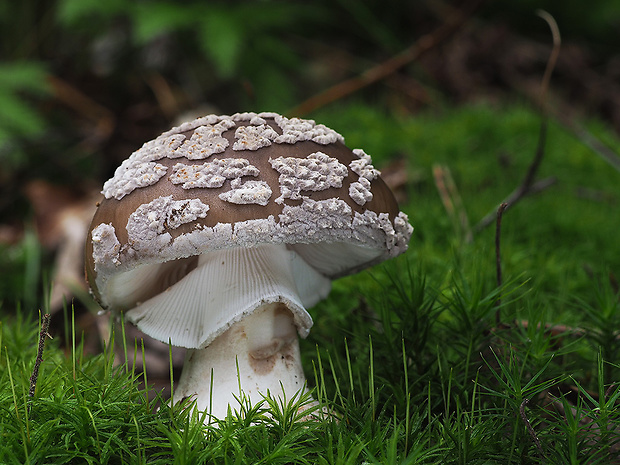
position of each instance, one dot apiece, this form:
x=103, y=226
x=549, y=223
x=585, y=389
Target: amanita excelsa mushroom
x=217, y=235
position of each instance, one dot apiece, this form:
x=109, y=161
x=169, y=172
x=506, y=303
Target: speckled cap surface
x=221, y=182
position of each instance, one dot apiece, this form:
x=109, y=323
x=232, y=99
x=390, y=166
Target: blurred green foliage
x=21, y=84
x=17, y=118
x=228, y=35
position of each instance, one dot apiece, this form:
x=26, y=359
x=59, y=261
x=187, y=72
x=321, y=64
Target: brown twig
x=167, y=100
x=528, y=186
x=554, y=330
x=589, y=140
x=43, y=334
x=102, y=117
x=610, y=389
x=529, y=427
x=553, y=58
x=390, y=66
x=514, y=197
x=498, y=260
x=562, y=114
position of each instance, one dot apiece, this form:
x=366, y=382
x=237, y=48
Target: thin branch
x=589, y=140
x=513, y=198
x=43, y=334
x=552, y=330
x=553, y=58
x=101, y=116
x=529, y=427
x=540, y=152
x=383, y=70
x=498, y=260
x=527, y=185
x=562, y=114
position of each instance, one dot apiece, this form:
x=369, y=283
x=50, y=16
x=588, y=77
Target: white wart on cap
x=225, y=183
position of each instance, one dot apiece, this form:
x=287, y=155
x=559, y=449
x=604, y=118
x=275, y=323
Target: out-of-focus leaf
x=221, y=36
x=227, y=33
x=274, y=91
x=17, y=118
x=22, y=76
x=153, y=19
x=5, y=136
x=71, y=12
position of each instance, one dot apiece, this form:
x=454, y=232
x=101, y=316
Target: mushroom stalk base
x=256, y=355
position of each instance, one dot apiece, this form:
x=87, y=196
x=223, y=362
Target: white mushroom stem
x=257, y=355
x=239, y=312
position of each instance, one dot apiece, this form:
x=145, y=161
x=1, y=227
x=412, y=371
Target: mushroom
x=218, y=235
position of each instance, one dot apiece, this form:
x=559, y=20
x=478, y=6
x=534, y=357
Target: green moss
x=408, y=355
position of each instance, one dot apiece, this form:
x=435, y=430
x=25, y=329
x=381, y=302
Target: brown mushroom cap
x=220, y=182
